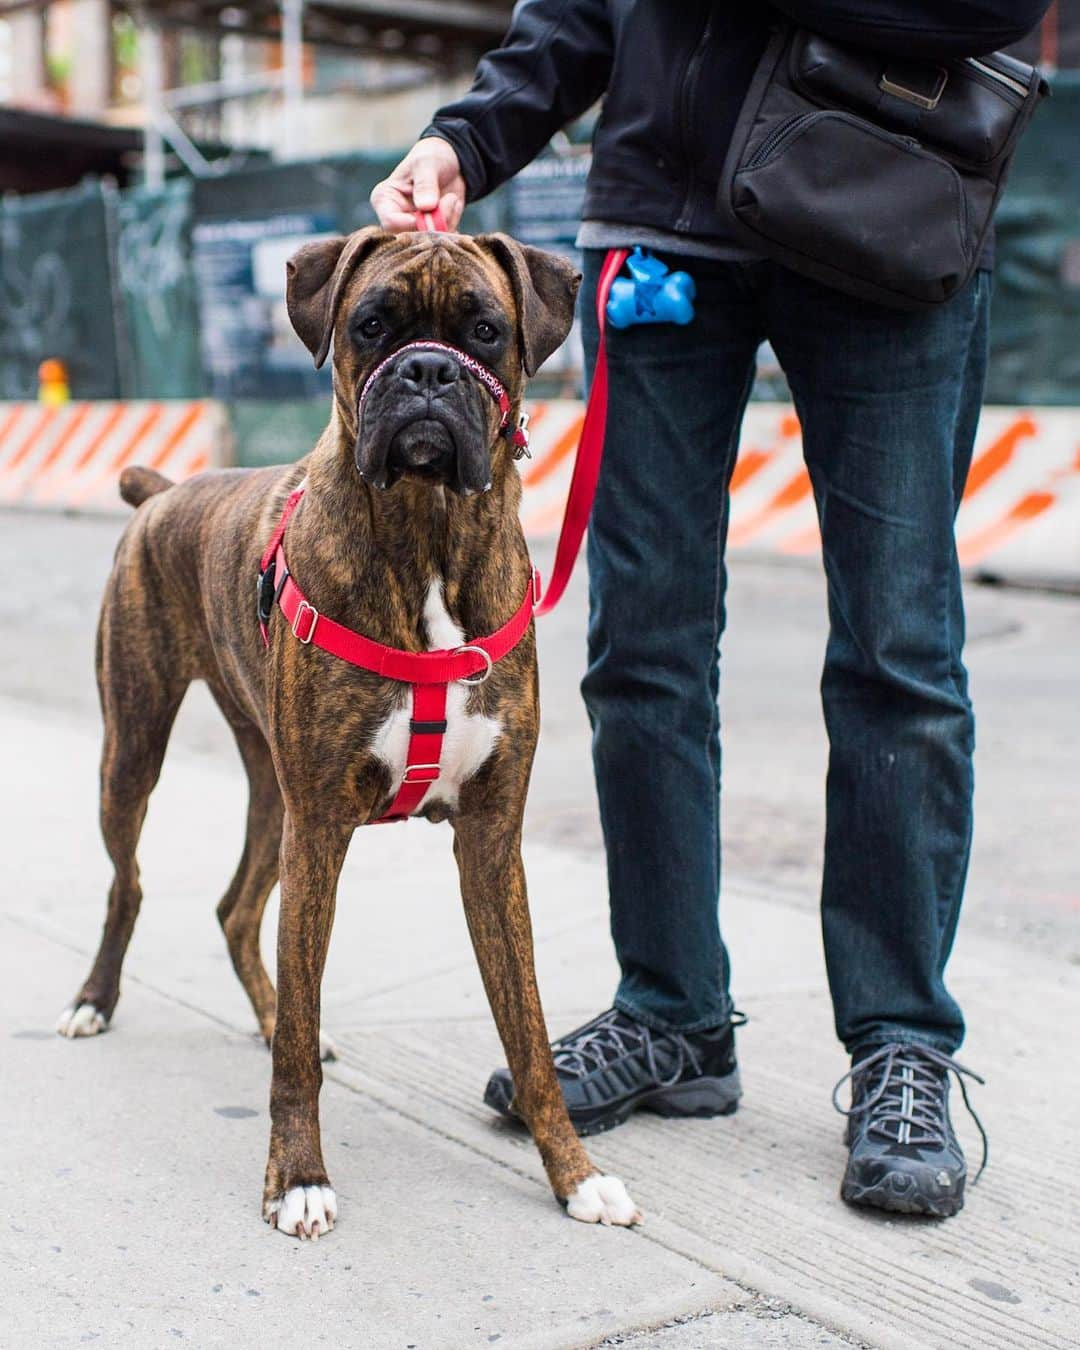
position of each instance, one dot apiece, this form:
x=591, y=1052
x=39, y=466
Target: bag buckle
x=927, y=100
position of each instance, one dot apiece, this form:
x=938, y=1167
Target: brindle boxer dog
x=408, y=533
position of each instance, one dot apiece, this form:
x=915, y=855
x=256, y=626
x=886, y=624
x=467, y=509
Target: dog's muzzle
x=430, y=372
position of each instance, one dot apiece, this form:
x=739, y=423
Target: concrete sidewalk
x=133, y=1162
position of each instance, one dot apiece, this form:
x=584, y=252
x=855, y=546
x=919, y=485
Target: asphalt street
x=133, y=1161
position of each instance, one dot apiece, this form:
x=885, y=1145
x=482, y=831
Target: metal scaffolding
x=444, y=35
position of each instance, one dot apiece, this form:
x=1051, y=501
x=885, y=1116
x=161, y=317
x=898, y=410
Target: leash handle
x=431, y=222
x=590, y=449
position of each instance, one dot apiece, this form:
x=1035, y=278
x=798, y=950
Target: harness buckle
x=265, y=593
x=537, y=593
x=428, y=773
x=481, y=675
x=298, y=617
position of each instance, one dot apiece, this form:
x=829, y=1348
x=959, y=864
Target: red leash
x=590, y=449
x=431, y=222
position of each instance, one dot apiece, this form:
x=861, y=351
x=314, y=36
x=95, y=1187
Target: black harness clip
x=266, y=597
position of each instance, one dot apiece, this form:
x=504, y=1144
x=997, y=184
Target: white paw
x=327, y=1048
x=85, y=1020
x=602, y=1199
x=304, y=1212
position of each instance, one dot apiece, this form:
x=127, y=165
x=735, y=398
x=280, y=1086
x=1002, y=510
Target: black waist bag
x=875, y=175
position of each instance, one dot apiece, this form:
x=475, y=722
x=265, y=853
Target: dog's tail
x=137, y=483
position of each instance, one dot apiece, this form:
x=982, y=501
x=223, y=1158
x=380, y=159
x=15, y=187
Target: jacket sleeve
x=937, y=29
x=554, y=63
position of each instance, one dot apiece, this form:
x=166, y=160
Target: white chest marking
x=469, y=738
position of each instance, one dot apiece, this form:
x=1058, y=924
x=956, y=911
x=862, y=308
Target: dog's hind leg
x=488, y=852
x=140, y=694
x=240, y=911
x=241, y=908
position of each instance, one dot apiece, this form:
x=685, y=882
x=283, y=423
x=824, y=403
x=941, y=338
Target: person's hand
x=428, y=176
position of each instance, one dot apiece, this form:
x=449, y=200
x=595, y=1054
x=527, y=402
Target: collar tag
x=520, y=438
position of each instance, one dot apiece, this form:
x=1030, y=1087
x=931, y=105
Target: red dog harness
x=431, y=673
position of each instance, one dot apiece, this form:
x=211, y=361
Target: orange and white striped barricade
x=1019, y=519
x=70, y=457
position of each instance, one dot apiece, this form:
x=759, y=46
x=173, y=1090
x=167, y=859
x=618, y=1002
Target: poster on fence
x=546, y=200
x=248, y=345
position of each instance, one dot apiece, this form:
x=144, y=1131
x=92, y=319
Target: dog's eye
x=486, y=332
x=371, y=328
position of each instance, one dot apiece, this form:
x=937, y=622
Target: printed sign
x=249, y=347
x=546, y=200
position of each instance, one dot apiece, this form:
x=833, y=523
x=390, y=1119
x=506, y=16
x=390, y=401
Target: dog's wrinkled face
x=425, y=416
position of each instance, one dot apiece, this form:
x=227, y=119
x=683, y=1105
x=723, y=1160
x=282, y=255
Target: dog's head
x=425, y=415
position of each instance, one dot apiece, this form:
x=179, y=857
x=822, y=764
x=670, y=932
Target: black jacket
x=674, y=73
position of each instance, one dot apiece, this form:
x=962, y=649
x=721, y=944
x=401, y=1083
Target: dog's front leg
x=488, y=853
x=298, y=1198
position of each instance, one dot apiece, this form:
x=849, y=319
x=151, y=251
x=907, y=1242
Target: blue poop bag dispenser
x=650, y=294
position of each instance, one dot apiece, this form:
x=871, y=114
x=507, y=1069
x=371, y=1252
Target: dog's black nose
x=429, y=372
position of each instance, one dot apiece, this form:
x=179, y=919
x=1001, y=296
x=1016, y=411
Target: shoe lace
x=612, y=1036
x=906, y=1088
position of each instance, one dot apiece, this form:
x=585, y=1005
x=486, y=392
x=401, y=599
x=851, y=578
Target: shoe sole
x=698, y=1098
x=885, y=1195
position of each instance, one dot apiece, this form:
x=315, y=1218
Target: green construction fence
x=176, y=293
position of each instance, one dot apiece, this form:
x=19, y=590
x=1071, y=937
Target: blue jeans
x=888, y=403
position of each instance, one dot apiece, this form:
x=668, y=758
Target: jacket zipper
x=999, y=75
x=693, y=69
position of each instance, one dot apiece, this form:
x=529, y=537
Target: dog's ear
x=315, y=277
x=545, y=288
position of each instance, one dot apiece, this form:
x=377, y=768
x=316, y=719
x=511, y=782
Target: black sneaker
x=904, y=1155
x=615, y=1065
